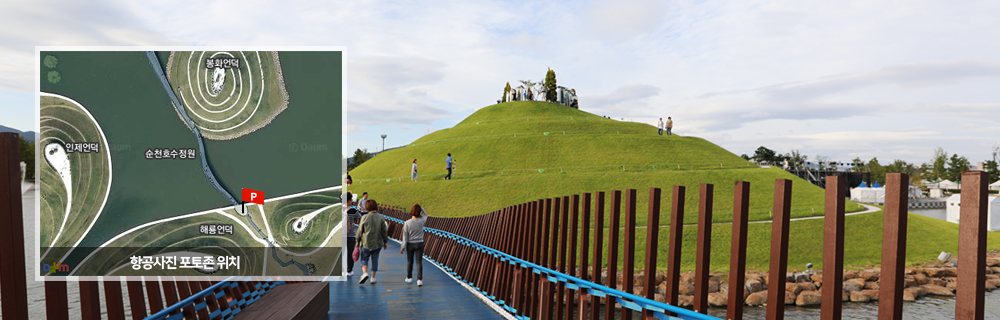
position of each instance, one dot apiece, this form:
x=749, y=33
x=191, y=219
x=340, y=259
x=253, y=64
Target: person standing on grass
x=413, y=242
x=351, y=225
x=449, y=164
x=373, y=233
x=670, y=125
x=659, y=127
x=413, y=173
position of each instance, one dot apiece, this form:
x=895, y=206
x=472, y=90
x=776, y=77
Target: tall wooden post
x=56, y=304
x=628, y=263
x=969, y=298
x=676, y=245
x=779, y=249
x=652, y=233
x=584, y=248
x=704, y=248
x=90, y=300
x=833, y=248
x=13, y=284
x=738, y=255
x=595, y=301
x=616, y=204
x=890, y=299
x=573, y=235
x=561, y=291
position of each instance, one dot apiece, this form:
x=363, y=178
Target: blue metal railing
x=626, y=300
x=239, y=303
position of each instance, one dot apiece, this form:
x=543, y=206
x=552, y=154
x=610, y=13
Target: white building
x=868, y=195
x=992, y=211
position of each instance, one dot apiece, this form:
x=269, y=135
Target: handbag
x=357, y=253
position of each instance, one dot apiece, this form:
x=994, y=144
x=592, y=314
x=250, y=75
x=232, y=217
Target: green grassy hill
x=498, y=169
x=516, y=152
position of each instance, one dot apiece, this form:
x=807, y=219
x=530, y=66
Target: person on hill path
x=413, y=243
x=351, y=225
x=670, y=125
x=659, y=127
x=349, y=181
x=373, y=233
x=449, y=164
x=413, y=172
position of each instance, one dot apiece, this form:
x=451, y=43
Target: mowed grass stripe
x=63, y=121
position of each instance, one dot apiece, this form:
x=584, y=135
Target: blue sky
x=886, y=79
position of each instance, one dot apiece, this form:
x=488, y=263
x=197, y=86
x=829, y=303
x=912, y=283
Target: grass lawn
x=61, y=121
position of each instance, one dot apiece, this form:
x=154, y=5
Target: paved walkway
x=441, y=297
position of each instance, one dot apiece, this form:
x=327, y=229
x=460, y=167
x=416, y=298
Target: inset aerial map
x=148, y=155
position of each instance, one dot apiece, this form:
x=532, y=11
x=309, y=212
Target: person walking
x=670, y=125
x=413, y=243
x=373, y=233
x=413, y=172
x=351, y=225
x=659, y=127
x=361, y=203
x=449, y=164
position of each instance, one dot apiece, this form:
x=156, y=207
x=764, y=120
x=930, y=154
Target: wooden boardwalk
x=440, y=298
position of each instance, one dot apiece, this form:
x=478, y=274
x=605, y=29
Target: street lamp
x=383, y=142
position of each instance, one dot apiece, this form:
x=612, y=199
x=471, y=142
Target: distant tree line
x=941, y=166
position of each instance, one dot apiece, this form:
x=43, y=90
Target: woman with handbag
x=351, y=225
x=373, y=235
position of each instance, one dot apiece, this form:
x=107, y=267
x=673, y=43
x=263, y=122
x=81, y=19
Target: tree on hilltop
x=763, y=154
x=550, y=85
x=506, y=90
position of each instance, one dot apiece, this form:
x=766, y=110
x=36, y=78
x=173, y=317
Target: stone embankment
x=804, y=289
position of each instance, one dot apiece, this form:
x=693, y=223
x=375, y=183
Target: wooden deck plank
x=441, y=297
x=290, y=301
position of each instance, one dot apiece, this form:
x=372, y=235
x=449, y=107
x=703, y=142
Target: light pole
x=383, y=142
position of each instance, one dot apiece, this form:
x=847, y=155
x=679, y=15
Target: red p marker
x=254, y=196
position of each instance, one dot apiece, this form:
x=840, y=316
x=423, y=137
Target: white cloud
x=721, y=69
x=27, y=24
x=622, y=20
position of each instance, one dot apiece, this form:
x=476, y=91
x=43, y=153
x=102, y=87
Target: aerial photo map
x=189, y=163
